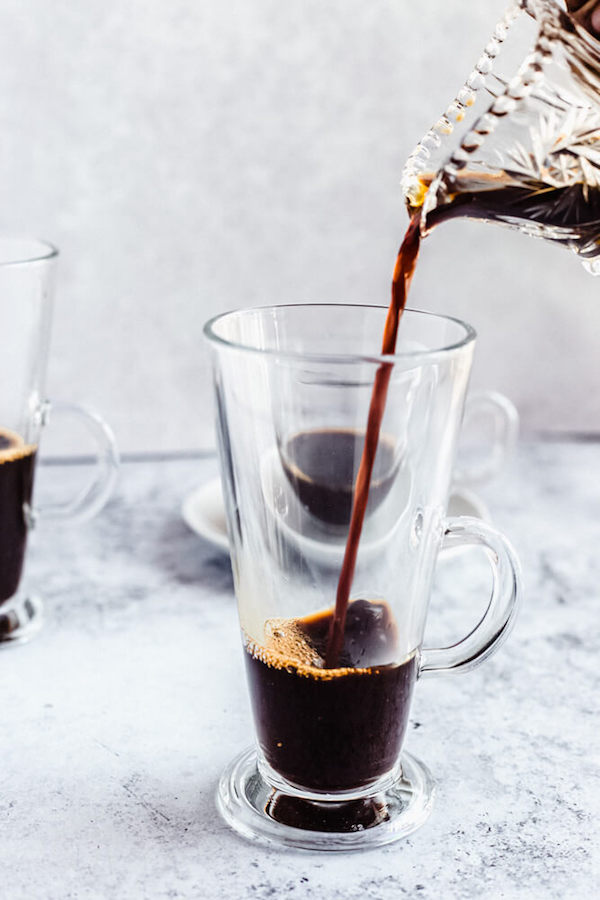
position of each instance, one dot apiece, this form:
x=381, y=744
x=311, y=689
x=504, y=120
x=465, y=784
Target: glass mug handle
x=503, y=414
x=94, y=495
x=498, y=618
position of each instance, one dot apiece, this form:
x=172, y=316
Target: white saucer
x=204, y=512
x=464, y=502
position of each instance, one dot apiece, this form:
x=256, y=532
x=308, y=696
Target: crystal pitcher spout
x=529, y=155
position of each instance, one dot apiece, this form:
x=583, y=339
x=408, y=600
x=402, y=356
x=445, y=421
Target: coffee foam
x=285, y=646
x=285, y=638
x=12, y=446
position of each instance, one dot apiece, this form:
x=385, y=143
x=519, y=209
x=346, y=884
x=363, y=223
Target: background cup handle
x=94, y=495
x=503, y=415
x=498, y=618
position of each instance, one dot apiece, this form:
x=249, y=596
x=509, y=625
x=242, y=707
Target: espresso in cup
x=321, y=466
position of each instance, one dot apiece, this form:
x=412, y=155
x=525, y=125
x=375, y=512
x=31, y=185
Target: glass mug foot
x=20, y=620
x=387, y=811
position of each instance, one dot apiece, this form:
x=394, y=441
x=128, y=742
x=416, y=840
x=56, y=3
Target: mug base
x=386, y=812
x=20, y=620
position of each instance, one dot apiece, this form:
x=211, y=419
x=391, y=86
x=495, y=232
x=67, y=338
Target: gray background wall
x=189, y=157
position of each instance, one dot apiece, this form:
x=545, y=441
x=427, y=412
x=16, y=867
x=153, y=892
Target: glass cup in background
x=293, y=387
x=487, y=439
x=27, y=273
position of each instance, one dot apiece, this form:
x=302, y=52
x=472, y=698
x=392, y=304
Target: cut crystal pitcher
x=529, y=156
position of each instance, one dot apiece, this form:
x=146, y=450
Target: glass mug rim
x=427, y=355
x=23, y=250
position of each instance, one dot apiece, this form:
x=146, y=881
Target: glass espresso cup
x=293, y=386
x=27, y=270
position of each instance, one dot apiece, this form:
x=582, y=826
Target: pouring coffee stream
x=406, y=262
x=532, y=161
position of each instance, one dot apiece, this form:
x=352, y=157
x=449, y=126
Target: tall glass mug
x=27, y=270
x=293, y=386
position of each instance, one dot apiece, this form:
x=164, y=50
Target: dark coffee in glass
x=17, y=462
x=331, y=729
x=321, y=466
